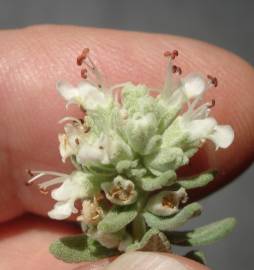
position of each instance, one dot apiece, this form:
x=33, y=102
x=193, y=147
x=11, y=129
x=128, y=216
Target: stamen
x=172, y=55
x=120, y=85
x=54, y=181
x=99, y=197
x=169, y=84
x=70, y=118
x=212, y=104
x=43, y=173
x=85, y=59
x=200, y=112
x=213, y=80
x=30, y=172
x=168, y=202
x=83, y=73
x=82, y=56
x=176, y=69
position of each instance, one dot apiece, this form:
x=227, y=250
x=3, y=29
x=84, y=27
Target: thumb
x=147, y=261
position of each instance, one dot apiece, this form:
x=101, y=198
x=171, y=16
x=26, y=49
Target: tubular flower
x=166, y=203
x=74, y=136
x=85, y=94
x=127, y=149
x=91, y=212
x=121, y=191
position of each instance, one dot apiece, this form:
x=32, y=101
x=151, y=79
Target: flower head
x=166, y=203
x=128, y=147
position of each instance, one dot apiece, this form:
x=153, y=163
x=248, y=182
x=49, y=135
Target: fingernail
x=145, y=261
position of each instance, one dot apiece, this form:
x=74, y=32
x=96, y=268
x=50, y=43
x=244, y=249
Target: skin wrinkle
x=42, y=55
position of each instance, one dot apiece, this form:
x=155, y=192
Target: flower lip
x=194, y=85
x=121, y=191
x=166, y=203
x=73, y=187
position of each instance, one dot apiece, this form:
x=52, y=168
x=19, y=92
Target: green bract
x=127, y=149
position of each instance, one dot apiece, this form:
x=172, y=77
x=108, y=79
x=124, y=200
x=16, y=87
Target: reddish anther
x=30, y=173
x=82, y=56
x=83, y=73
x=172, y=54
x=213, y=80
x=176, y=69
x=167, y=53
x=212, y=104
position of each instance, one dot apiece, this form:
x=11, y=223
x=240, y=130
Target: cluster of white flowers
x=126, y=151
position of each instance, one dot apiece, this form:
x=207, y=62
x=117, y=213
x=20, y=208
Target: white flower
x=92, y=213
x=192, y=86
x=85, y=94
x=201, y=127
x=195, y=126
x=166, y=203
x=222, y=136
x=70, y=141
x=73, y=187
x=121, y=191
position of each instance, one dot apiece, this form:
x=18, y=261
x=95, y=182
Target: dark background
x=229, y=24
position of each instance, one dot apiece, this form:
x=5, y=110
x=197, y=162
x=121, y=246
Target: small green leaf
x=101, y=170
x=168, y=158
x=125, y=165
x=203, y=235
x=197, y=181
x=153, y=240
x=197, y=256
x=117, y=218
x=175, y=221
x=79, y=248
x=137, y=173
x=151, y=183
x=139, y=129
x=152, y=145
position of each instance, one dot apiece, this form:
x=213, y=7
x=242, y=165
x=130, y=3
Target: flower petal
x=200, y=129
x=62, y=210
x=166, y=203
x=222, y=136
x=194, y=85
x=63, y=193
x=66, y=90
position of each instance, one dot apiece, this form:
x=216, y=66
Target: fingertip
x=153, y=261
